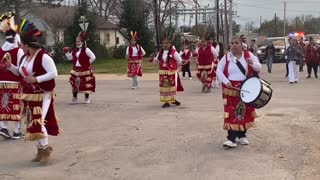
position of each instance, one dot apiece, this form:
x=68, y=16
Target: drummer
x=232, y=70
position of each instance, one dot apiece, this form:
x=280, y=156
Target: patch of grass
x=109, y=66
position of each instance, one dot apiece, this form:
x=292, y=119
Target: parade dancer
x=134, y=55
x=212, y=42
x=9, y=82
x=205, y=55
x=82, y=79
x=38, y=71
x=169, y=81
x=232, y=70
x=186, y=59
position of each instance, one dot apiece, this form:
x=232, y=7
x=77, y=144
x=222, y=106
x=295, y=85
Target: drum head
x=250, y=90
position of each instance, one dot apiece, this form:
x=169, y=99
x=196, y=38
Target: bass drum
x=256, y=91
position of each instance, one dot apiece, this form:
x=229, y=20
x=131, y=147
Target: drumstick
x=241, y=89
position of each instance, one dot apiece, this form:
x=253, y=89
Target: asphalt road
x=124, y=134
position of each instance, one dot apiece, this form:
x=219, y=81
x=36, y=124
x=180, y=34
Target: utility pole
x=284, y=18
x=196, y=17
x=260, y=21
x=275, y=25
x=156, y=22
x=217, y=28
x=225, y=23
x=222, y=26
x=230, y=20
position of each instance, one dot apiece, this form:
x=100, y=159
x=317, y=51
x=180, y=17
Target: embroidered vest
x=83, y=59
x=8, y=75
x=205, y=56
x=139, y=53
x=170, y=63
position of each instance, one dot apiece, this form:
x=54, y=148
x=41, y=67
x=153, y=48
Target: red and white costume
x=169, y=80
x=228, y=71
x=134, y=54
x=38, y=99
x=82, y=78
x=10, y=85
x=206, y=55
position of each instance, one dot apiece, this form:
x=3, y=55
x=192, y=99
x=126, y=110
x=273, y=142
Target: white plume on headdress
x=7, y=22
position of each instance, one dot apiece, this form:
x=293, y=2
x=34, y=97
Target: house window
x=117, y=40
x=107, y=38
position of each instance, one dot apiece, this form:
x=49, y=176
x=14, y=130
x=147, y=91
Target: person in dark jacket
x=311, y=59
x=270, y=54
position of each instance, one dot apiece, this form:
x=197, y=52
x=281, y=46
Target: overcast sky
x=251, y=10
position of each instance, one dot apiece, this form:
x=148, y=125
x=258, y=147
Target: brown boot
x=37, y=158
x=45, y=154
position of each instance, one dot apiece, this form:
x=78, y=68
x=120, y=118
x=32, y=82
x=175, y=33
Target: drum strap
x=241, y=67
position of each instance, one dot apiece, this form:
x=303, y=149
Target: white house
x=109, y=34
x=53, y=20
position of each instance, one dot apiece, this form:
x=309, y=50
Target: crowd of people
x=27, y=78
x=213, y=67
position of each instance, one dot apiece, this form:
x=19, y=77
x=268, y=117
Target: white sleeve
x=177, y=57
x=127, y=52
x=69, y=56
x=214, y=52
x=220, y=70
x=143, y=51
x=197, y=50
x=218, y=48
x=156, y=59
x=19, y=56
x=90, y=55
x=14, y=69
x=49, y=67
x=256, y=64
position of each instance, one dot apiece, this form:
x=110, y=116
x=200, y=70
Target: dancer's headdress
x=205, y=35
x=133, y=35
x=7, y=22
x=29, y=33
x=83, y=36
x=169, y=36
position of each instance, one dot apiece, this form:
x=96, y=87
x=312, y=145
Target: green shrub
x=101, y=51
x=58, y=54
x=119, y=52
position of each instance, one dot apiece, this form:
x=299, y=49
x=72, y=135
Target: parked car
x=279, y=44
x=316, y=37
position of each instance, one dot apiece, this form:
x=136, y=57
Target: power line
x=277, y=2
x=276, y=9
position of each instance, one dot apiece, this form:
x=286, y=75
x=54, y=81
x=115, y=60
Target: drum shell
x=264, y=96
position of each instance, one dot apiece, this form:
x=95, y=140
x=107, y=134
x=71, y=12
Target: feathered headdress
x=205, y=35
x=169, y=36
x=28, y=32
x=133, y=35
x=7, y=22
x=83, y=36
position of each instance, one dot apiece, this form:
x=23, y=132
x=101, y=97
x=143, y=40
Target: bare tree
x=162, y=10
x=105, y=8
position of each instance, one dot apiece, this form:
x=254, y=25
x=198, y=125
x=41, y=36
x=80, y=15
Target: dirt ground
x=126, y=135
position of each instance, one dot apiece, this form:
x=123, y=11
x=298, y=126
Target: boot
x=37, y=158
x=45, y=154
x=208, y=90
x=203, y=89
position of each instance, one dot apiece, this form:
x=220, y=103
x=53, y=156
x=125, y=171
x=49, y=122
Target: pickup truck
x=279, y=43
